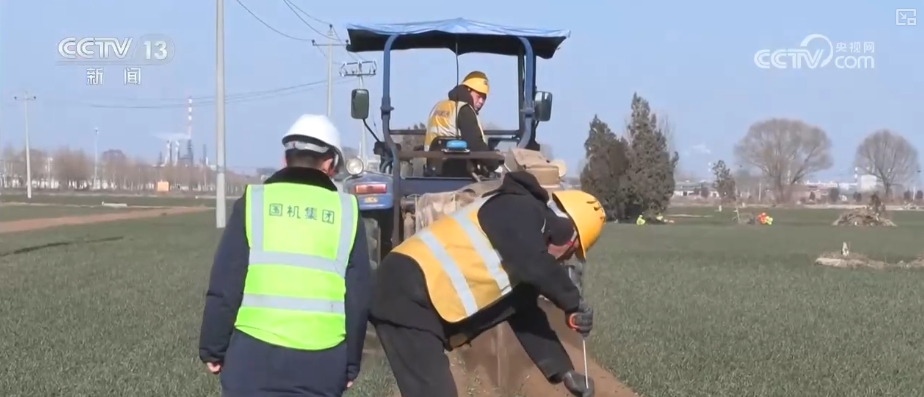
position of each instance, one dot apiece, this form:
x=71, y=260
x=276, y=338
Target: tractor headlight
x=354, y=166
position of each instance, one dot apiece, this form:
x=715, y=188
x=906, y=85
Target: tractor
x=388, y=196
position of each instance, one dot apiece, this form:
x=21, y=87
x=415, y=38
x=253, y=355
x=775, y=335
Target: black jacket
x=469, y=131
x=226, y=284
x=513, y=222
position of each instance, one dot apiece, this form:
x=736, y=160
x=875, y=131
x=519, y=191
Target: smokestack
x=189, y=144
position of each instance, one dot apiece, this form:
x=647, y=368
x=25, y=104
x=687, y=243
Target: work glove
x=582, y=320
x=578, y=384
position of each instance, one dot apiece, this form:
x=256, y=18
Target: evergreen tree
x=650, y=175
x=724, y=183
x=603, y=174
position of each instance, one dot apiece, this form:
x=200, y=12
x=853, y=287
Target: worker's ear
x=328, y=166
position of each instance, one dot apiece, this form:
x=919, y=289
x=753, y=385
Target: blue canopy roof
x=452, y=34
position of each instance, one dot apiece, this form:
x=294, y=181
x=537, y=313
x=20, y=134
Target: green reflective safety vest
x=300, y=238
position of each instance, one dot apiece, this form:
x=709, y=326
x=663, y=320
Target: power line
x=233, y=98
x=295, y=9
x=268, y=25
x=307, y=14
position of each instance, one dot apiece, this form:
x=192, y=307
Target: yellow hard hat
x=476, y=81
x=587, y=214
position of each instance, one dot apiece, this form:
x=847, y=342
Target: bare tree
x=409, y=142
x=667, y=129
x=8, y=167
x=71, y=168
x=889, y=157
x=114, y=169
x=786, y=151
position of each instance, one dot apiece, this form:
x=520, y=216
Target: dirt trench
x=495, y=365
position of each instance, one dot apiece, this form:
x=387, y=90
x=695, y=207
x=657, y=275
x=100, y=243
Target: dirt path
x=44, y=223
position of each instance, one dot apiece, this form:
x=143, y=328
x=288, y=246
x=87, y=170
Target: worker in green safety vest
x=289, y=293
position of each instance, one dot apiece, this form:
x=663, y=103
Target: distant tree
x=10, y=158
x=834, y=195
x=265, y=172
x=72, y=168
x=350, y=152
x=112, y=169
x=919, y=195
x=908, y=196
x=812, y=197
x=888, y=156
x=746, y=182
x=724, y=183
x=857, y=197
x=651, y=167
x=666, y=126
x=785, y=151
x=704, y=191
x=409, y=142
x=603, y=174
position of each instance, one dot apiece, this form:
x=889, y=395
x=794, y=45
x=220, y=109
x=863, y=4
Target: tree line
x=786, y=152
x=73, y=169
x=633, y=173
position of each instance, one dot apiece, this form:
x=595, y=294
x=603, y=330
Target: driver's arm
x=470, y=132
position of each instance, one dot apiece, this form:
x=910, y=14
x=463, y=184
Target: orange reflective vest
x=442, y=121
x=462, y=270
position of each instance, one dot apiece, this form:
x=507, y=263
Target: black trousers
x=254, y=368
x=418, y=361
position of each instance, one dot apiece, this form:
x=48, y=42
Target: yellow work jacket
x=462, y=270
x=442, y=121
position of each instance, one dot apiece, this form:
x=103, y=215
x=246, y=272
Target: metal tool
x=586, y=374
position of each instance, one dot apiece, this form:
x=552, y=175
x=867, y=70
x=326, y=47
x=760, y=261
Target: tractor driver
x=457, y=117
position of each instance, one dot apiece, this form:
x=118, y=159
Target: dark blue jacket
x=266, y=369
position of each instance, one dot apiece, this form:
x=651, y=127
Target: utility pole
x=333, y=42
x=96, y=184
x=220, y=202
x=26, y=98
x=359, y=70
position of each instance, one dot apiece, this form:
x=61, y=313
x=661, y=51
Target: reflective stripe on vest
x=274, y=315
x=442, y=121
x=471, y=293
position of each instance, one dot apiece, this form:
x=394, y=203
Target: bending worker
x=457, y=117
x=483, y=265
x=287, y=302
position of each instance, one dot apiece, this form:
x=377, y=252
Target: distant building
x=867, y=183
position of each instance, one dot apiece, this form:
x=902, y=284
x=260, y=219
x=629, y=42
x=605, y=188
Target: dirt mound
x=854, y=261
x=865, y=216
x=496, y=365
x=836, y=259
x=847, y=259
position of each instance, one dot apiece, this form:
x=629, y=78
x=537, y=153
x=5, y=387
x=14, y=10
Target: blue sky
x=693, y=61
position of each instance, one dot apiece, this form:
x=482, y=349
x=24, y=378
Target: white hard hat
x=314, y=127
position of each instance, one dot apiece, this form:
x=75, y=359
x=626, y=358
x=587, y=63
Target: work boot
x=575, y=383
